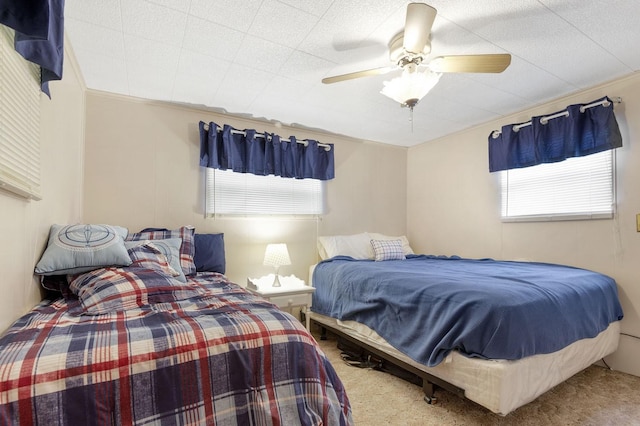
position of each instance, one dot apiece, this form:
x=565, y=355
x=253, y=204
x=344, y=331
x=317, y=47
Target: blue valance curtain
x=247, y=151
x=39, y=26
x=580, y=130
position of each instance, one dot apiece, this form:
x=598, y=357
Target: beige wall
x=24, y=225
x=142, y=171
x=454, y=208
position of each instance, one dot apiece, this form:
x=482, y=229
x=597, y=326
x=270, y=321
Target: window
x=247, y=194
x=577, y=188
x=19, y=121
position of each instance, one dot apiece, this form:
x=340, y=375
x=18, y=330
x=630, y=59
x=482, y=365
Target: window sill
x=557, y=218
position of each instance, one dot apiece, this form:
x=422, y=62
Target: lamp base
x=276, y=281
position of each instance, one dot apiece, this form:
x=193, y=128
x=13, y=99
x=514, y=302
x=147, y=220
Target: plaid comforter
x=226, y=358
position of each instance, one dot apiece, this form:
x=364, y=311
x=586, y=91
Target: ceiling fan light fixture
x=410, y=87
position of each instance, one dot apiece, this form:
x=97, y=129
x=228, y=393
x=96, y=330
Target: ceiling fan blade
x=417, y=26
x=358, y=74
x=471, y=63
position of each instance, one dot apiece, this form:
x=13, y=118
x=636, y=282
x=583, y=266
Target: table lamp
x=276, y=255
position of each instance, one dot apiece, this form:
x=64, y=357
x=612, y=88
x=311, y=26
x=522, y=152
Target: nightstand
x=292, y=293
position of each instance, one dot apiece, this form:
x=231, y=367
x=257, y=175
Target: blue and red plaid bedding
x=226, y=358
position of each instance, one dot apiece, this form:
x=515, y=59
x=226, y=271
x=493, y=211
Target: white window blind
x=230, y=193
x=577, y=188
x=19, y=121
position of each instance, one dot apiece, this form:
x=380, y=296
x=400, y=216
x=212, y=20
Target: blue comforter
x=427, y=306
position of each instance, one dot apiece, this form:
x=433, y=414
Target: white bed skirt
x=499, y=385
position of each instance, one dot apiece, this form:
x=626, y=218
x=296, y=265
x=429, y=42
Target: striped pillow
x=120, y=289
x=149, y=256
x=187, y=249
x=387, y=250
x=169, y=247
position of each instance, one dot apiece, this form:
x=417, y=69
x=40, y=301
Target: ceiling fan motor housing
x=398, y=55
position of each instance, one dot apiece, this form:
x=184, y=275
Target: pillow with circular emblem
x=73, y=249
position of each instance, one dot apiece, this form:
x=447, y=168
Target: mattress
x=498, y=385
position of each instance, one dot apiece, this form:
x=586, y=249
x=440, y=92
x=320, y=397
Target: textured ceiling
x=265, y=58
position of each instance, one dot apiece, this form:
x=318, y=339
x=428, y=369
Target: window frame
x=318, y=190
x=563, y=216
x=19, y=121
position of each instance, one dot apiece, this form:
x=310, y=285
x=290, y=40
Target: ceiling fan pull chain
x=411, y=118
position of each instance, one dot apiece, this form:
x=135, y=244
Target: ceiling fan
x=408, y=50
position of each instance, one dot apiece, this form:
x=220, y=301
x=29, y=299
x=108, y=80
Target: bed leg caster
x=430, y=399
x=429, y=392
x=323, y=333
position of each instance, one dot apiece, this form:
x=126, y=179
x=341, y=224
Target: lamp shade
x=410, y=87
x=276, y=255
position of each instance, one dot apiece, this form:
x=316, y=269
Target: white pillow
x=405, y=242
x=357, y=246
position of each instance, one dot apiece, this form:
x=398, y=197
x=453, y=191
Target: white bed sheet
x=499, y=385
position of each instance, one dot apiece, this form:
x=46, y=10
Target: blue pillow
x=73, y=249
x=209, y=253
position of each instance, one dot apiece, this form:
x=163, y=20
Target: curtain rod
x=304, y=142
x=565, y=113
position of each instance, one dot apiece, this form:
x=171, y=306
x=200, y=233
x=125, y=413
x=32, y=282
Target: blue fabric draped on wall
x=264, y=154
x=26, y=16
x=575, y=132
x=39, y=26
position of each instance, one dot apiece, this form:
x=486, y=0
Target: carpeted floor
x=596, y=396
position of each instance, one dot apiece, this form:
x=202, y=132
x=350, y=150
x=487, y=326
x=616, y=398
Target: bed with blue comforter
x=427, y=306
